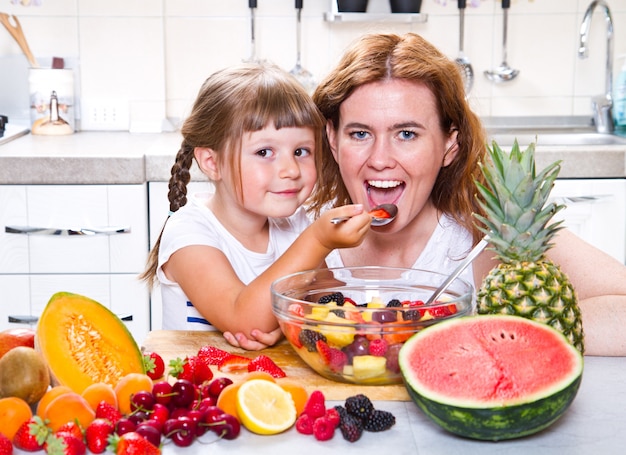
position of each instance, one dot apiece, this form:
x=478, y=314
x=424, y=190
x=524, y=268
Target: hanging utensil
x=252, y=5
x=301, y=74
x=467, y=72
x=504, y=72
x=480, y=246
x=18, y=34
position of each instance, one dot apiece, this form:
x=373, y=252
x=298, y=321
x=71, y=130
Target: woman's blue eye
x=359, y=134
x=407, y=134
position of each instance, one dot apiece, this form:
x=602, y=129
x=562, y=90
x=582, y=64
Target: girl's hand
x=347, y=234
x=258, y=341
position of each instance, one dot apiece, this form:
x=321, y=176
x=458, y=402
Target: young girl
x=254, y=132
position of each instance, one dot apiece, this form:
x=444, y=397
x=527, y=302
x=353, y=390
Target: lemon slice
x=264, y=407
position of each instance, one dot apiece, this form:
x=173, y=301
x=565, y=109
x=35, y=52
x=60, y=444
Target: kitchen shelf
x=416, y=18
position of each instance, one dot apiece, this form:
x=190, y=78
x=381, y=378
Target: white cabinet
x=86, y=239
x=158, y=206
x=596, y=211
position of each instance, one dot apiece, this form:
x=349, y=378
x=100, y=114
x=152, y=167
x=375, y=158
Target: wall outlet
x=105, y=115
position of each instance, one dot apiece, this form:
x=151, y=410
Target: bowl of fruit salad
x=349, y=323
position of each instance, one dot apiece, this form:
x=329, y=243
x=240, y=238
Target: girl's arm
x=210, y=282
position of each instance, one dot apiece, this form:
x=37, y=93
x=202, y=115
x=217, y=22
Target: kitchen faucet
x=602, y=104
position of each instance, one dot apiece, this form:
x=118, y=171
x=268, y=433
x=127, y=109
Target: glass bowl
x=349, y=323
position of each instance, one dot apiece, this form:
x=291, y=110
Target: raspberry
x=359, y=406
x=378, y=347
x=316, y=405
x=351, y=427
x=379, y=421
x=304, y=424
x=333, y=416
x=308, y=338
x=323, y=429
x=336, y=297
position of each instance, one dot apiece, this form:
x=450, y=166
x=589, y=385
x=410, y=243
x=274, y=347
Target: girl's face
x=389, y=146
x=277, y=169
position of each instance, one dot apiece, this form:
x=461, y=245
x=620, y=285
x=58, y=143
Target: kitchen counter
x=131, y=158
x=594, y=423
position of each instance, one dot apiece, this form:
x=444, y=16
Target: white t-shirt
x=448, y=245
x=195, y=224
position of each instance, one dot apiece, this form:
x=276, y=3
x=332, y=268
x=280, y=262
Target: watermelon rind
x=485, y=420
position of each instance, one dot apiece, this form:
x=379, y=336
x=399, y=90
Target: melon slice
x=491, y=377
x=83, y=342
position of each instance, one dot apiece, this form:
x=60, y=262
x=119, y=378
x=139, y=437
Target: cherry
x=162, y=392
x=143, y=401
x=227, y=426
x=184, y=392
x=211, y=415
x=152, y=434
x=178, y=412
x=125, y=425
x=196, y=416
x=181, y=431
x=153, y=423
x=217, y=385
x=137, y=417
x=160, y=413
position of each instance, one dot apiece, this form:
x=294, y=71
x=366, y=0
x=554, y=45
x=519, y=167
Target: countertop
x=133, y=158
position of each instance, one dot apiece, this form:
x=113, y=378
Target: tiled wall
x=150, y=56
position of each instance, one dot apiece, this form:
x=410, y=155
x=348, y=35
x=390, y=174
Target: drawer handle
x=582, y=199
x=110, y=230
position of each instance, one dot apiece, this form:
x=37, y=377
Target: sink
x=556, y=138
x=547, y=131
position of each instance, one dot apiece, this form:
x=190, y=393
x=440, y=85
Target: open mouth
x=384, y=191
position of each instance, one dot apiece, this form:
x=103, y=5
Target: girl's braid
x=177, y=194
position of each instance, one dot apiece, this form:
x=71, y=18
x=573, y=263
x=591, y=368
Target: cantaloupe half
x=83, y=342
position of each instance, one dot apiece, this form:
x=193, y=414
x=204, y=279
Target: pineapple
x=526, y=283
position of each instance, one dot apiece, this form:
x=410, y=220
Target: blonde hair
x=377, y=57
x=231, y=102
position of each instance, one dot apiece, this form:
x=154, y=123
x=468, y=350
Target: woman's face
x=389, y=146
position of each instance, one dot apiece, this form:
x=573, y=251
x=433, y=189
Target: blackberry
x=411, y=315
x=336, y=297
x=379, y=421
x=340, y=313
x=309, y=339
x=394, y=303
x=359, y=406
x=351, y=427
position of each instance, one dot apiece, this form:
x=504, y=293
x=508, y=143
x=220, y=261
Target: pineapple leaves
x=513, y=199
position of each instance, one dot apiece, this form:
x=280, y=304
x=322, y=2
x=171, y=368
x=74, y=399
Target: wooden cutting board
x=171, y=344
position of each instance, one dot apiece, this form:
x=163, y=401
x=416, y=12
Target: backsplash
x=144, y=60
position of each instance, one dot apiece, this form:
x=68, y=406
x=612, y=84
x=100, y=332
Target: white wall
x=149, y=57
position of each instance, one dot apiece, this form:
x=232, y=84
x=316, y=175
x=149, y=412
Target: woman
x=400, y=131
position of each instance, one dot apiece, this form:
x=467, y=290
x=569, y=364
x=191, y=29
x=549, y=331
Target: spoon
x=480, y=246
x=304, y=76
x=504, y=72
x=381, y=215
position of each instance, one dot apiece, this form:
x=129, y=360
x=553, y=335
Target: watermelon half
x=491, y=377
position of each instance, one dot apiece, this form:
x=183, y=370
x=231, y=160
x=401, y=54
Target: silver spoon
x=304, y=76
x=504, y=72
x=467, y=72
x=391, y=209
x=480, y=246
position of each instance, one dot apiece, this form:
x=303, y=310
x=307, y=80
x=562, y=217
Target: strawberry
x=193, y=368
x=234, y=362
x=71, y=427
x=335, y=358
x=97, y=434
x=315, y=406
x=6, y=446
x=64, y=443
x=212, y=355
x=292, y=333
x=296, y=309
x=107, y=411
x=264, y=363
x=31, y=435
x=153, y=362
x=323, y=429
x=132, y=443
